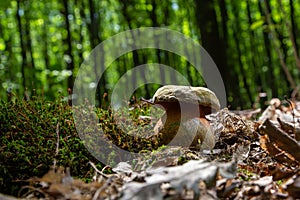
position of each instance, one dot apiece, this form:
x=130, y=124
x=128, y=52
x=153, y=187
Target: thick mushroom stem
x=190, y=128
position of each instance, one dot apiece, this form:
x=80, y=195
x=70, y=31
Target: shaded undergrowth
x=29, y=135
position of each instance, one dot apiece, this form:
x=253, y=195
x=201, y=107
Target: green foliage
x=35, y=52
x=4, y=4
x=257, y=24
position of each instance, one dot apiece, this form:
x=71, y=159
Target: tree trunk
x=136, y=59
x=158, y=52
x=95, y=39
x=267, y=77
x=238, y=44
x=28, y=43
x=281, y=50
x=256, y=64
x=68, y=40
x=294, y=26
x=23, y=50
x=213, y=44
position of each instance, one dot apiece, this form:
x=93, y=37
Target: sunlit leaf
x=257, y=24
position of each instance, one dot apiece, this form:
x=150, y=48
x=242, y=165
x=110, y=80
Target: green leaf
x=257, y=24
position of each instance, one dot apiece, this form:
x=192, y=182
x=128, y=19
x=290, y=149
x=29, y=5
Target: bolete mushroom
x=184, y=121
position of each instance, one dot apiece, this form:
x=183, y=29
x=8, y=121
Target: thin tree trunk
x=10, y=55
x=294, y=26
x=279, y=38
x=224, y=17
x=238, y=44
x=136, y=60
x=83, y=16
x=268, y=77
x=68, y=40
x=95, y=39
x=188, y=67
x=291, y=35
x=23, y=50
x=158, y=52
x=212, y=42
x=31, y=63
x=81, y=6
x=233, y=75
x=46, y=49
x=253, y=47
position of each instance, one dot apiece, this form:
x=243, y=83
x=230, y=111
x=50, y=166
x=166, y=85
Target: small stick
x=97, y=170
x=147, y=101
x=293, y=113
x=57, y=145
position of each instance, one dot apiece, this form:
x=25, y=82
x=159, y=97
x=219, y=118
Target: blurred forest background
x=255, y=43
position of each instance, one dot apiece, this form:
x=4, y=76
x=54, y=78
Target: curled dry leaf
x=279, y=144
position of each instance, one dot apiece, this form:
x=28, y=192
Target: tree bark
x=214, y=45
x=95, y=39
x=28, y=43
x=268, y=77
x=158, y=52
x=294, y=26
x=256, y=64
x=23, y=50
x=136, y=58
x=282, y=49
x=68, y=40
x=238, y=44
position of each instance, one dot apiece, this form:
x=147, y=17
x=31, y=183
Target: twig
x=293, y=113
x=295, y=92
x=104, y=168
x=33, y=190
x=147, y=101
x=105, y=185
x=97, y=193
x=57, y=145
x=97, y=170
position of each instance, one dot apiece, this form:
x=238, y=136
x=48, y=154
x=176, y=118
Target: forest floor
x=256, y=156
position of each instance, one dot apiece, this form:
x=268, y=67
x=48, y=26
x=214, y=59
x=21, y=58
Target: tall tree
x=136, y=57
x=214, y=45
x=68, y=41
x=29, y=49
x=267, y=77
x=255, y=61
x=45, y=49
x=281, y=50
x=20, y=12
x=95, y=34
x=238, y=46
x=294, y=27
x=154, y=19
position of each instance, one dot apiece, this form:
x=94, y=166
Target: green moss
x=28, y=140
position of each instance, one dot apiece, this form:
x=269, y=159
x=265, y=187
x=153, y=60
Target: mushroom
x=184, y=121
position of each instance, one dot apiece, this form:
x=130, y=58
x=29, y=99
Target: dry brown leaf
x=278, y=142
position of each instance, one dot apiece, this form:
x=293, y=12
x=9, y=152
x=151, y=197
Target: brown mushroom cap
x=186, y=94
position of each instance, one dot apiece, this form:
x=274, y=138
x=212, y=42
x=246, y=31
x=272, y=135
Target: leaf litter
x=252, y=159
